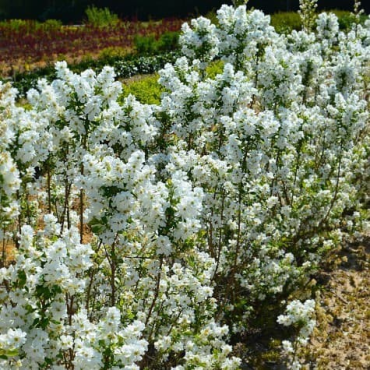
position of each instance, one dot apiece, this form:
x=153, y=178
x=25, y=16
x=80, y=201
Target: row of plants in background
x=24, y=43
x=126, y=66
x=103, y=37
x=168, y=41
x=151, y=41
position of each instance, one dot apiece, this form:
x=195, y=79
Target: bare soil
x=341, y=340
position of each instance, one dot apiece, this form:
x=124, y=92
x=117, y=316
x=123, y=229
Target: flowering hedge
x=149, y=236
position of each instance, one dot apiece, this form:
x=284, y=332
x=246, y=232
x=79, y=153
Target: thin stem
x=156, y=293
x=113, y=276
x=3, y=257
x=49, y=187
x=81, y=216
x=91, y=282
x=335, y=193
x=84, y=144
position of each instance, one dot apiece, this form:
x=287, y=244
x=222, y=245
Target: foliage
x=347, y=19
x=146, y=90
x=28, y=27
x=215, y=68
x=237, y=3
x=145, y=44
x=286, y=22
x=111, y=54
x=212, y=16
x=101, y=17
x=168, y=41
x=155, y=235
x=143, y=64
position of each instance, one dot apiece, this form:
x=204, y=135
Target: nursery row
x=23, y=43
x=158, y=236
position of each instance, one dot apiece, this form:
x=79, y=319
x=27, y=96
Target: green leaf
x=22, y=279
x=5, y=354
x=96, y=226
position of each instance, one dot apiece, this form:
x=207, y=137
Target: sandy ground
x=341, y=340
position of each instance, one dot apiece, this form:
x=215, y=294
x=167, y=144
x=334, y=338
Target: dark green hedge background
x=72, y=11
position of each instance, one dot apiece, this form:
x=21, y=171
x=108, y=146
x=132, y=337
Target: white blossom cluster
x=9, y=173
x=52, y=328
x=148, y=235
x=307, y=10
x=300, y=315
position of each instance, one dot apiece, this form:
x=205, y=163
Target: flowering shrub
x=149, y=236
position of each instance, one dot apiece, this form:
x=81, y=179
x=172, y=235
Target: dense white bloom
x=138, y=225
x=300, y=315
x=327, y=28
x=201, y=42
x=12, y=340
x=9, y=175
